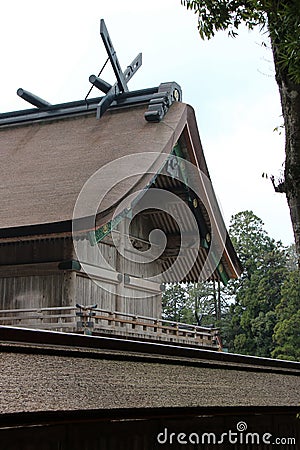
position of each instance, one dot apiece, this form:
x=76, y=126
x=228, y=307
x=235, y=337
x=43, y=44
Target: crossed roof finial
x=122, y=77
x=160, y=98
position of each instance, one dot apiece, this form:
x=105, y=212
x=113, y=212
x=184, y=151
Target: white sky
x=51, y=48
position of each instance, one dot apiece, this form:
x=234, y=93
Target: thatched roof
x=46, y=162
x=35, y=377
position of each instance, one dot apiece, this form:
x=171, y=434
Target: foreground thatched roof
x=36, y=377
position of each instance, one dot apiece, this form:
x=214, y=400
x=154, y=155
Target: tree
x=210, y=302
x=281, y=19
x=287, y=329
x=252, y=316
x=250, y=240
x=292, y=258
x=181, y=301
x=176, y=305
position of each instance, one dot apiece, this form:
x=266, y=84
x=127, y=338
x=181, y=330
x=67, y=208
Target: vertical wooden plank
x=69, y=288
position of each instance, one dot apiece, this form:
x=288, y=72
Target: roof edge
x=77, y=107
x=27, y=418
x=60, y=341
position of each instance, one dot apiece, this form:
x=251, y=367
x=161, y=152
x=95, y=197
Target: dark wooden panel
x=140, y=433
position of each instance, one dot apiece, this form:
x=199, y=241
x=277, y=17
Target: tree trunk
x=219, y=302
x=290, y=103
x=215, y=300
x=290, y=100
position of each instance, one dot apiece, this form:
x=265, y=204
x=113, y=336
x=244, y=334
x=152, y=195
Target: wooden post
x=120, y=268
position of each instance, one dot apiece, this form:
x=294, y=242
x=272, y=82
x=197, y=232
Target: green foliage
x=292, y=258
x=262, y=327
x=223, y=15
x=180, y=301
x=284, y=30
x=257, y=293
x=250, y=240
x=280, y=18
x=287, y=329
x=258, y=314
x=175, y=303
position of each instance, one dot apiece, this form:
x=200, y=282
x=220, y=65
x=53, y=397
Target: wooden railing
x=48, y=318
x=97, y=320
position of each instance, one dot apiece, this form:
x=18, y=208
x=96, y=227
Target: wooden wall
x=34, y=251
x=32, y=291
x=29, y=274
x=112, y=275
x=116, y=278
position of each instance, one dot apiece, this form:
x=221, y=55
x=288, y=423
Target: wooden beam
x=100, y=273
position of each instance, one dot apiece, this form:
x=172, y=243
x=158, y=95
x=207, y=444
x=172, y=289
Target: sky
x=51, y=48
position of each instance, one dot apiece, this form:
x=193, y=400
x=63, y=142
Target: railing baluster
x=63, y=317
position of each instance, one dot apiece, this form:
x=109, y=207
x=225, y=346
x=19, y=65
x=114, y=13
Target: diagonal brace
x=115, y=90
x=122, y=84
